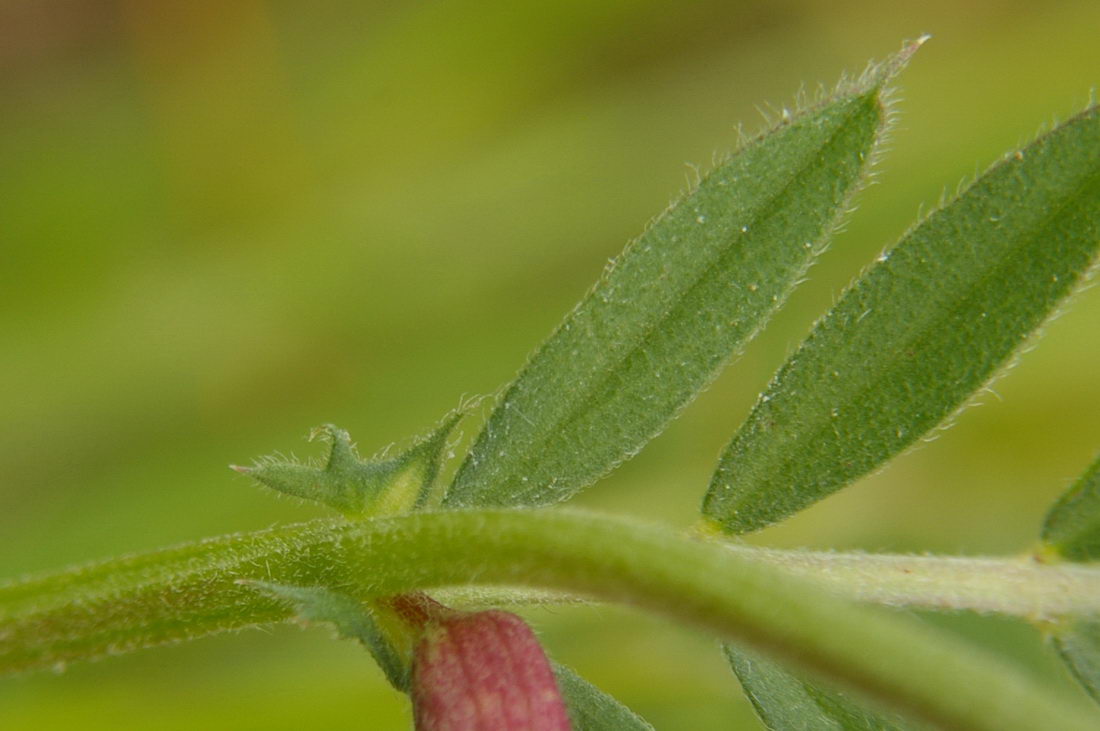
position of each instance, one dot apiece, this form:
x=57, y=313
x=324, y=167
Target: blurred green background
x=224, y=223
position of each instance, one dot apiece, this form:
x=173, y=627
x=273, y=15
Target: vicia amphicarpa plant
x=910, y=342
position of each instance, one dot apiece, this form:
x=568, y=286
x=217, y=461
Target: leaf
x=1072, y=531
x=1078, y=642
x=352, y=621
x=678, y=302
x=787, y=703
x=359, y=488
x=921, y=331
x=590, y=709
x=1072, y=527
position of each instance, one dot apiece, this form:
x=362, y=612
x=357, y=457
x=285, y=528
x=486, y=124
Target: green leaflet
x=590, y=709
x=356, y=487
x=670, y=311
x=1072, y=531
x=786, y=703
x=1078, y=642
x=1072, y=527
x=921, y=331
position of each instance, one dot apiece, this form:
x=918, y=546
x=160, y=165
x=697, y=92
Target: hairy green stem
x=1018, y=587
x=1025, y=587
x=193, y=590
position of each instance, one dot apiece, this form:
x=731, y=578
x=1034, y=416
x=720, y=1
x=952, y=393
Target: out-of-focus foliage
x=221, y=223
x=784, y=701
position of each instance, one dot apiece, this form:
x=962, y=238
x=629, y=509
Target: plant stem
x=1018, y=587
x=1022, y=587
x=193, y=590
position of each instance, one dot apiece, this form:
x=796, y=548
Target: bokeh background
x=224, y=223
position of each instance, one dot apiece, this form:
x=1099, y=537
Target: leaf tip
x=881, y=73
x=898, y=61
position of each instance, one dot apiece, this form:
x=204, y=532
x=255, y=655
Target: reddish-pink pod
x=484, y=671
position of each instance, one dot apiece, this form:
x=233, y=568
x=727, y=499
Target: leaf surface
x=672, y=309
x=1078, y=643
x=1072, y=531
x=784, y=702
x=590, y=709
x=920, y=332
x=1072, y=527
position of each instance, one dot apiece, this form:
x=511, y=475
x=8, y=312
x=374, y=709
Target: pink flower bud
x=484, y=671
